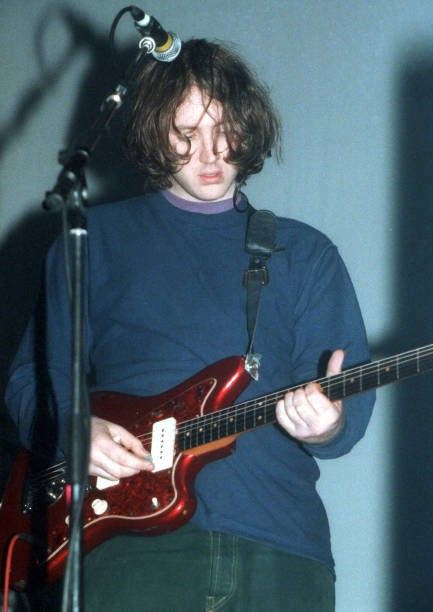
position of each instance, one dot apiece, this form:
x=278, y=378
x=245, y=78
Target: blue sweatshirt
x=164, y=298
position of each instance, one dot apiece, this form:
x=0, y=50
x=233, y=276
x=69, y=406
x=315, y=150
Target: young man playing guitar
x=164, y=300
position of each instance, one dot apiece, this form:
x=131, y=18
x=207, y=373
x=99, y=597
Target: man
x=164, y=298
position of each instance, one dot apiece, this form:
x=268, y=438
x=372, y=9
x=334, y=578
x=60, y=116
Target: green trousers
x=191, y=570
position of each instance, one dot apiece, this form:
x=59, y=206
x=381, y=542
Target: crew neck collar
x=204, y=208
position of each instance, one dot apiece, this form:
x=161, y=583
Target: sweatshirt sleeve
x=39, y=388
x=328, y=317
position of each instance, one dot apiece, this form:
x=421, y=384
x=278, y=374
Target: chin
x=211, y=195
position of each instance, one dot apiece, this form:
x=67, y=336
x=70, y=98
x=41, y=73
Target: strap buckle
x=256, y=275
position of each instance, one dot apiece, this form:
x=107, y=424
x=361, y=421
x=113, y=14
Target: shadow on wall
x=412, y=500
x=24, y=248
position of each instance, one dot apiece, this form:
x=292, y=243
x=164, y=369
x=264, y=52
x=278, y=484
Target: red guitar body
x=148, y=503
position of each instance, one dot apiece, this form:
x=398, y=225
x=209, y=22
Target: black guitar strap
x=260, y=243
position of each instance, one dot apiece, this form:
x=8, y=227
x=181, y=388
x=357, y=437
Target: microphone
x=165, y=46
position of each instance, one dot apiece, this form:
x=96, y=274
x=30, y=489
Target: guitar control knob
x=99, y=506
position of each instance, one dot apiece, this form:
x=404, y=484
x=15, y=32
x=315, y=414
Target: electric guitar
x=185, y=428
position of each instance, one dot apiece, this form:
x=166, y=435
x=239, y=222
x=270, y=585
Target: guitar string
x=266, y=401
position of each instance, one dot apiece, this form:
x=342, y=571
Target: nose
x=208, y=150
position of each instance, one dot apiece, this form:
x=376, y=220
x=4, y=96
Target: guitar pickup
x=163, y=443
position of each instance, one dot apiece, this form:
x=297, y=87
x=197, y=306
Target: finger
x=335, y=362
x=125, y=458
x=105, y=466
x=317, y=400
x=122, y=436
x=98, y=470
x=293, y=404
x=308, y=403
x=283, y=419
x=116, y=461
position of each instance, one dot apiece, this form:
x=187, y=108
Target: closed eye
x=189, y=135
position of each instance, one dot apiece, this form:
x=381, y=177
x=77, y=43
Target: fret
x=353, y=382
x=241, y=418
x=224, y=429
x=198, y=436
x=388, y=372
x=426, y=361
x=259, y=413
x=207, y=430
x=328, y=391
x=408, y=366
x=250, y=419
x=370, y=377
x=231, y=425
x=183, y=440
x=216, y=422
x=194, y=437
x=270, y=412
x=244, y=423
x=336, y=387
x=212, y=426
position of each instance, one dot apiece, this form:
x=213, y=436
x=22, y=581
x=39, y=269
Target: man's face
x=205, y=177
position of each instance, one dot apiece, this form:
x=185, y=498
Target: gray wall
x=353, y=80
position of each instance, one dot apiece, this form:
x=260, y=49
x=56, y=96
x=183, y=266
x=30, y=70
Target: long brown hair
x=250, y=120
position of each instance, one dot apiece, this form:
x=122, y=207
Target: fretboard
x=261, y=411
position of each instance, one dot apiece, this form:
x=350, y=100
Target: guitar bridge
x=40, y=491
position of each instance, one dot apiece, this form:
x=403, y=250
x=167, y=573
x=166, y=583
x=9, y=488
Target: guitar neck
x=261, y=411
x=378, y=373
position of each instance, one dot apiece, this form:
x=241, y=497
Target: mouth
x=211, y=177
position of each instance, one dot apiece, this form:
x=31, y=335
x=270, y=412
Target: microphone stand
x=70, y=195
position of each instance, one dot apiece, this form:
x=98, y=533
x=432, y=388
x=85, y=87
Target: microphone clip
x=164, y=53
x=164, y=46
